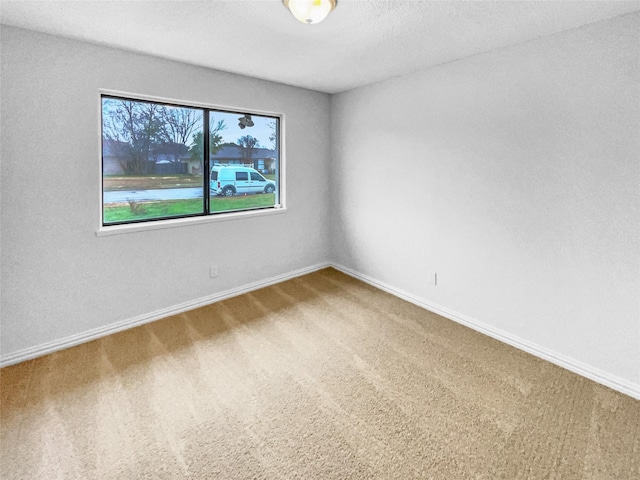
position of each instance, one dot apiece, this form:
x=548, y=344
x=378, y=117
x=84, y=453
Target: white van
x=229, y=180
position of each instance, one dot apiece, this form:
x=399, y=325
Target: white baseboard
x=575, y=366
x=72, y=340
x=611, y=381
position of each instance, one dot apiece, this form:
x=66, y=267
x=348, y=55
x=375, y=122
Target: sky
x=261, y=129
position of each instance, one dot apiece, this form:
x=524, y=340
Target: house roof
x=228, y=152
x=161, y=154
x=235, y=152
x=111, y=147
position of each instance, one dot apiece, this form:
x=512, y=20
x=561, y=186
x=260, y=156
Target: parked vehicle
x=229, y=180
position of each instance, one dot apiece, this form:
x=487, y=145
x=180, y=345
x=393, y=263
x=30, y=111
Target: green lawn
x=224, y=204
x=143, y=210
x=122, y=212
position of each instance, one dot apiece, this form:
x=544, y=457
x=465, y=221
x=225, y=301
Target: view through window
x=162, y=161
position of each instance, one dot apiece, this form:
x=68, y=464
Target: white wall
x=58, y=278
x=515, y=176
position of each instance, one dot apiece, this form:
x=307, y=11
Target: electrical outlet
x=432, y=278
x=213, y=271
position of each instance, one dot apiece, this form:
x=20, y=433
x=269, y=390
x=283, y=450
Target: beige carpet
x=320, y=377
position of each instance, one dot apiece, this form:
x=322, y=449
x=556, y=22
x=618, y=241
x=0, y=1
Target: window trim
x=151, y=224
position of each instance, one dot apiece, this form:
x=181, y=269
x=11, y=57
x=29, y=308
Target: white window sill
x=182, y=222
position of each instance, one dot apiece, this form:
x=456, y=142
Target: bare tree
x=248, y=146
x=273, y=136
x=131, y=131
x=178, y=127
x=196, y=150
x=215, y=139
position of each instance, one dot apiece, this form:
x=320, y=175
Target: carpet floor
x=319, y=377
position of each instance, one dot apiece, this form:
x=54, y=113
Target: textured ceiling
x=361, y=42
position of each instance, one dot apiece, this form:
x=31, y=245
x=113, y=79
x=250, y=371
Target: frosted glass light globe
x=310, y=11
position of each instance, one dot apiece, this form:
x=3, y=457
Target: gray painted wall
x=515, y=176
x=58, y=277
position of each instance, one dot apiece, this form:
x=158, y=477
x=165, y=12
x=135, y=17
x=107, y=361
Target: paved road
x=158, y=194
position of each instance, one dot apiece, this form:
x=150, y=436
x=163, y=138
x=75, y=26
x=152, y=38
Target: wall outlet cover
x=213, y=271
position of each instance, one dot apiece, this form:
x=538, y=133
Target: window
x=164, y=161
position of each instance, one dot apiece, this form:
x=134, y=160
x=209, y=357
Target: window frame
x=206, y=216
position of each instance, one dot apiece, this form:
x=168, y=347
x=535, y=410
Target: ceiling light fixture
x=310, y=11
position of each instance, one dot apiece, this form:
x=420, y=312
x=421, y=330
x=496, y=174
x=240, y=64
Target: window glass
x=148, y=168
x=248, y=141
x=155, y=164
